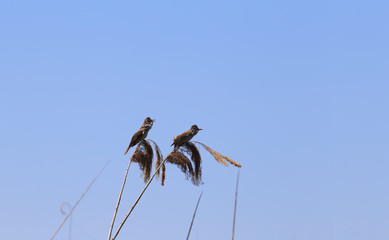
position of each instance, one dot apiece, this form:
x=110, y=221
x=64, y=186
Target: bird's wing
x=176, y=139
x=134, y=140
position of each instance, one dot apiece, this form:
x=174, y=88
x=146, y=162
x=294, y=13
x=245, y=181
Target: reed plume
x=219, y=157
x=183, y=163
x=143, y=155
x=159, y=157
x=180, y=157
x=190, y=149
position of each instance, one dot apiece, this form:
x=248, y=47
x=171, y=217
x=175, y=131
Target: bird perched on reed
x=141, y=134
x=185, y=137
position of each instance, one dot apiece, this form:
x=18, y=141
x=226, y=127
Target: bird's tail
x=174, y=138
x=129, y=146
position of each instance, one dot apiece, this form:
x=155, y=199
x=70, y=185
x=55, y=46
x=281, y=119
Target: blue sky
x=297, y=92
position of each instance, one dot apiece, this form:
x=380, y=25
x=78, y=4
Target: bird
x=185, y=137
x=141, y=134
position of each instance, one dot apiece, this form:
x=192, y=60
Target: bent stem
x=137, y=200
x=78, y=201
x=194, y=215
x=236, y=199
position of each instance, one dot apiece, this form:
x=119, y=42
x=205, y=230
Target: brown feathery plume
x=143, y=155
x=159, y=157
x=232, y=161
x=219, y=157
x=215, y=154
x=191, y=149
x=163, y=174
x=183, y=163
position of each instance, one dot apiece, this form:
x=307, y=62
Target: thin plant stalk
x=78, y=201
x=71, y=216
x=236, y=200
x=120, y=197
x=137, y=200
x=70, y=227
x=194, y=215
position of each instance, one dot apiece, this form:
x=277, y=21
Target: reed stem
x=236, y=200
x=78, y=201
x=137, y=200
x=120, y=197
x=194, y=215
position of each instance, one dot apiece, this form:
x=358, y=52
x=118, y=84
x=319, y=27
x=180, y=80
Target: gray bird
x=185, y=137
x=141, y=134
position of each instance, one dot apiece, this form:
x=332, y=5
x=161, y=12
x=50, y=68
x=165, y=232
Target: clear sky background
x=295, y=91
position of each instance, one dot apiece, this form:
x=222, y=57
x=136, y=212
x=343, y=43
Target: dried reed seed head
x=159, y=157
x=232, y=161
x=219, y=157
x=143, y=155
x=191, y=149
x=183, y=163
x=215, y=154
x=163, y=174
x=177, y=158
x=157, y=163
